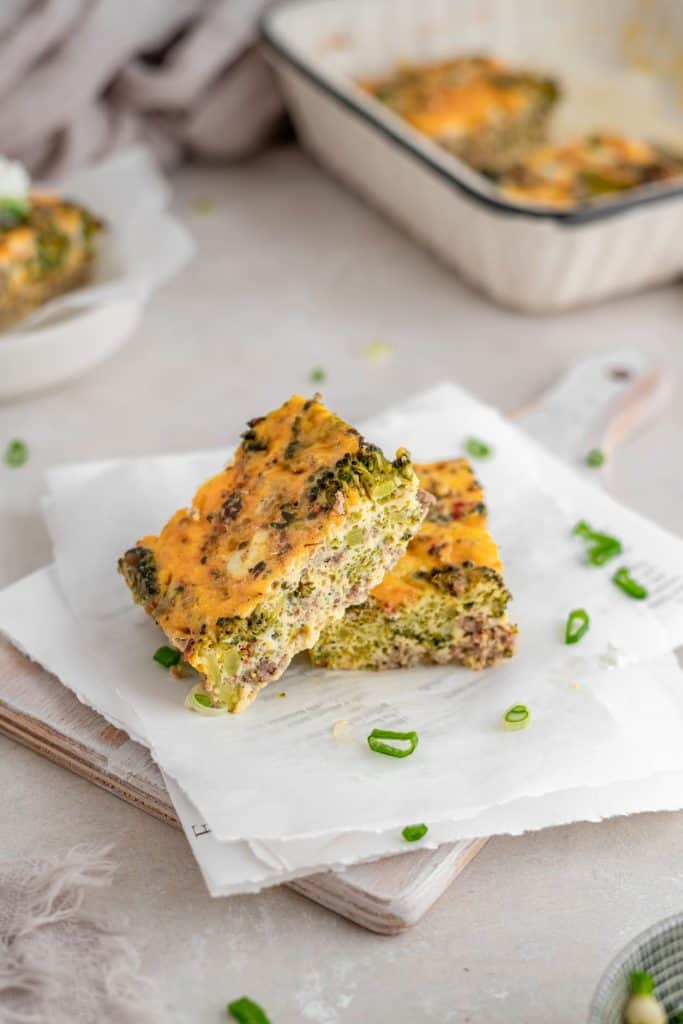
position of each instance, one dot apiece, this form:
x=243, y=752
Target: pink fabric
x=77, y=80
x=59, y=961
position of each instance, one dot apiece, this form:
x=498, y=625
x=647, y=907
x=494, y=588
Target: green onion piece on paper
x=623, y=579
x=16, y=453
x=411, y=833
x=595, y=458
x=478, y=449
x=167, y=656
x=641, y=983
x=377, y=735
x=200, y=702
x=603, y=547
x=516, y=717
x=246, y=1011
x=604, y=551
x=318, y=375
x=578, y=622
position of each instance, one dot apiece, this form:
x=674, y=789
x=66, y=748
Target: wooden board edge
x=66, y=755
x=385, y=916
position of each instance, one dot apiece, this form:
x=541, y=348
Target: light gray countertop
x=293, y=273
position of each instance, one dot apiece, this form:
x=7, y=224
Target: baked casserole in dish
x=534, y=254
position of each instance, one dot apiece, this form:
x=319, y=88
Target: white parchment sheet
x=652, y=688
x=277, y=771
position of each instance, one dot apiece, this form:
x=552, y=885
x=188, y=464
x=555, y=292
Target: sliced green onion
x=377, y=735
x=604, y=551
x=516, y=717
x=200, y=702
x=603, y=546
x=318, y=375
x=595, y=458
x=246, y=1011
x=623, y=579
x=16, y=453
x=478, y=449
x=167, y=656
x=411, y=833
x=578, y=622
x=642, y=983
x=204, y=204
x=377, y=352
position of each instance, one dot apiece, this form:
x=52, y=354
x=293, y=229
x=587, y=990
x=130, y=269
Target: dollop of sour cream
x=14, y=180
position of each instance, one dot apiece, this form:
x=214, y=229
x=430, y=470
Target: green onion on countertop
x=318, y=375
x=246, y=1011
x=204, y=205
x=411, y=833
x=516, y=717
x=377, y=735
x=595, y=458
x=578, y=623
x=16, y=453
x=377, y=351
x=603, y=547
x=167, y=656
x=623, y=579
x=478, y=449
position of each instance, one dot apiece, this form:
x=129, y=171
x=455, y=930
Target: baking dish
x=618, y=63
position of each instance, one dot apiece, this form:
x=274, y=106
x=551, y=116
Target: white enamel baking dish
x=619, y=62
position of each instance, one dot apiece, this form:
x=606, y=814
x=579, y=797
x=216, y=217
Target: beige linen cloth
x=80, y=78
x=61, y=962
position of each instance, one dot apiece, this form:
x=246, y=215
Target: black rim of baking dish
x=582, y=215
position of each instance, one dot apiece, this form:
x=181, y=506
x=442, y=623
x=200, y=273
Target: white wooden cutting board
x=597, y=404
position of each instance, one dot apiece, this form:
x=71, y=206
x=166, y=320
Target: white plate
x=52, y=355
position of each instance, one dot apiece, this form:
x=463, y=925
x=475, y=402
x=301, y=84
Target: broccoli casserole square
x=598, y=166
x=47, y=247
x=444, y=601
x=305, y=521
x=476, y=106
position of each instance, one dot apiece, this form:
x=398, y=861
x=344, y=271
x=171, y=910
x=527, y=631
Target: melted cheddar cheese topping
x=256, y=522
x=455, y=531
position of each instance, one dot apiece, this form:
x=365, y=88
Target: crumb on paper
x=341, y=731
x=204, y=205
x=282, y=694
x=377, y=351
x=612, y=657
x=575, y=686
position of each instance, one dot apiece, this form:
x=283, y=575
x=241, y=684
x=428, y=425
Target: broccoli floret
x=139, y=569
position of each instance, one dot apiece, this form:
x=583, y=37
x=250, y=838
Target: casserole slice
x=305, y=521
x=47, y=247
x=444, y=601
x=476, y=107
x=596, y=167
